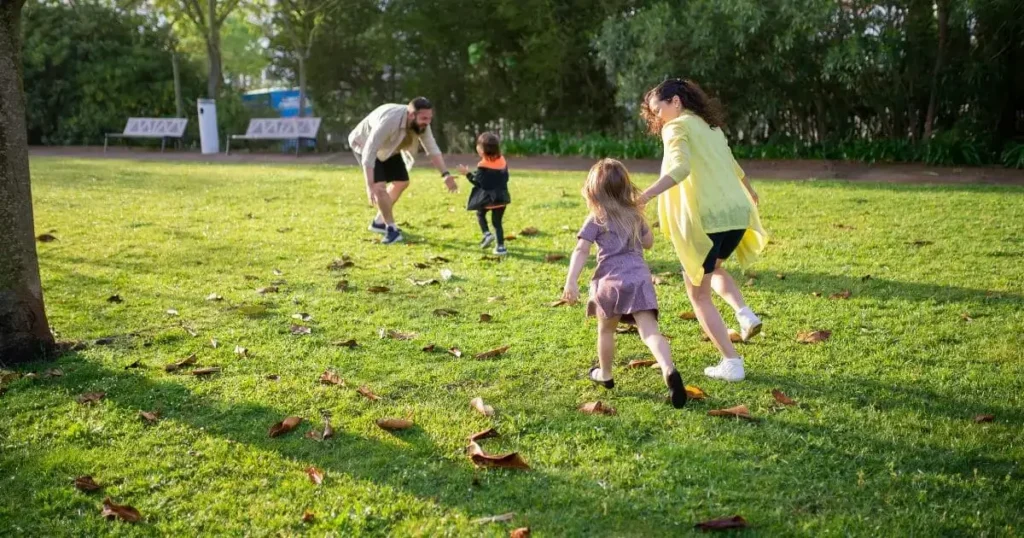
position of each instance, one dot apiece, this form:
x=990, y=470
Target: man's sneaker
x=393, y=235
x=500, y=250
x=750, y=324
x=727, y=370
x=487, y=240
x=378, y=228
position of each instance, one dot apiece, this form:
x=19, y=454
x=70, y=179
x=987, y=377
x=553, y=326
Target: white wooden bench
x=297, y=129
x=162, y=128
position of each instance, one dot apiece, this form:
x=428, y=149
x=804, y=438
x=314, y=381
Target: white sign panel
x=281, y=128
x=155, y=127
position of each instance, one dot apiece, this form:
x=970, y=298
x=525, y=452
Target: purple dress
x=622, y=282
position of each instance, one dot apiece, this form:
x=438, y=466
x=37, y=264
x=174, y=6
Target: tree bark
x=179, y=105
x=24, y=331
x=302, y=86
x=940, y=58
x=216, y=77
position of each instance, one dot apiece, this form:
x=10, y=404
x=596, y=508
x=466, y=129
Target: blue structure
x=286, y=102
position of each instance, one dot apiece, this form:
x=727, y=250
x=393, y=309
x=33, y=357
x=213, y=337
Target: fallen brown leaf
x=496, y=299
x=486, y=434
x=521, y=532
x=241, y=351
x=90, y=397
x=627, y=329
x=734, y=336
x=984, y=418
x=308, y=517
x=816, y=293
x=7, y=375
x=151, y=417
x=421, y=265
x=530, y=231
x=316, y=476
x=456, y=352
x=378, y=289
x=782, y=398
x=124, y=512
x=495, y=519
x=445, y=312
x=136, y=364
x=484, y=409
x=506, y=461
x=86, y=483
x=750, y=282
x=206, y=371
x=341, y=264
x=813, y=337
x=302, y=316
x=367, y=393
x=695, y=393
x=172, y=312
x=485, y=318
x=266, y=290
x=394, y=424
x=329, y=377
x=734, y=522
x=780, y=276
x=342, y=285
x=299, y=330
x=597, y=408
x=46, y=238
x=920, y=243
x=214, y=343
x=116, y=299
x=350, y=343
x=431, y=282
x=54, y=372
x=966, y=317
x=641, y=363
x=689, y=316
x=740, y=411
x=439, y=259
x=845, y=294
x=560, y=302
x=510, y=237
x=214, y=297
x=278, y=272
x=273, y=377
x=429, y=348
x=395, y=335
x=554, y=257
x=840, y=226
x=285, y=426
x=492, y=353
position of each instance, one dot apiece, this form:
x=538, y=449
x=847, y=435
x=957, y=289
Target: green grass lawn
x=883, y=443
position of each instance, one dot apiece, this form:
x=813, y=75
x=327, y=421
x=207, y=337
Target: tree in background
x=24, y=330
x=207, y=18
x=296, y=23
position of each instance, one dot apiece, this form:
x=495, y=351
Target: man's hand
x=371, y=194
x=449, y=181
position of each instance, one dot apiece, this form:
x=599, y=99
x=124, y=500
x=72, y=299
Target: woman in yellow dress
x=707, y=208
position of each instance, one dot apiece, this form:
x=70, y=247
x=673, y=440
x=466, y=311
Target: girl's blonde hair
x=612, y=199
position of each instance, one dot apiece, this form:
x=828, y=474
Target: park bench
x=162, y=128
x=297, y=129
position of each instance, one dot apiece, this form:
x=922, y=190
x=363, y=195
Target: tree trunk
x=216, y=77
x=179, y=105
x=24, y=331
x=302, y=86
x=940, y=58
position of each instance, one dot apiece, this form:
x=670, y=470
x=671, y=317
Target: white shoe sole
x=382, y=231
x=398, y=239
x=752, y=331
x=727, y=379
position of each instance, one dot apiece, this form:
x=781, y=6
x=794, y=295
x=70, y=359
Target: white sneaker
x=750, y=324
x=727, y=370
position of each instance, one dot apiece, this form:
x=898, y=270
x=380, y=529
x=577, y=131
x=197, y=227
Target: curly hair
x=690, y=95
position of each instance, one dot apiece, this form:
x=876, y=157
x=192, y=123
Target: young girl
x=621, y=289
x=490, y=190
x=707, y=208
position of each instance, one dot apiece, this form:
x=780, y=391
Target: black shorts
x=723, y=244
x=390, y=170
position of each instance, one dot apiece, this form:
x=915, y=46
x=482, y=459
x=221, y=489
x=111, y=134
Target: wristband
x=445, y=173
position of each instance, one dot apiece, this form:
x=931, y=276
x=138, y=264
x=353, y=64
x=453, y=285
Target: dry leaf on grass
x=350, y=343
x=342, y=285
x=266, y=290
x=431, y=282
x=395, y=335
x=740, y=411
x=394, y=424
x=506, y=461
x=597, y=408
x=813, y=337
x=734, y=522
x=554, y=257
x=420, y=265
x=496, y=299
x=54, y=372
x=214, y=343
x=241, y=351
x=485, y=318
x=445, y=312
x=206, y=371
x=285, y=426
x=308, y=517
x=843, y=295
x=782, y=398
x=86, y=483
x=316, y=476
x=429, y=348
x=984, y=418
x=46, y=238
x=966, y=317
x=521, y=532
x=90, y=397
x=750, y=282
x=367, y=393
x=124, y=512
x=495, y=519
x=695, y=393
x=688, y=316
x=329, y=377
x=273, y=377
x=492, y=353
x=378, y=289
x=299, y=330
x=627, y=329
x=780, y=276
x=920, y=243
x=734, y=336
x=446, y=274
x=646, y=363
x=558, y=303
x=214, y=297
x=456, y=352
x=135, y=364
x=486, y=434
x=302, y=316
x=439, y=259
x=172, y=312
x=816, y=294
x=530, y=231
x=340, y=264
x=484, y=409
x=116, y=299
x=151, y=417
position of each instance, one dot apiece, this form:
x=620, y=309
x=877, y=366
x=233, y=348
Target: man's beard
x=417, y=128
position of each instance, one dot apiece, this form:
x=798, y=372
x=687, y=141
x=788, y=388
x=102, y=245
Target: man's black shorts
x=390, y=170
